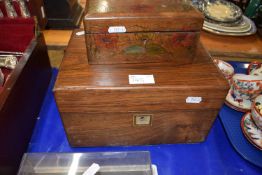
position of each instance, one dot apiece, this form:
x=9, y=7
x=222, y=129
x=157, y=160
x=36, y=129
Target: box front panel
x=137, y=128
x=138, y=99
x=176, y=47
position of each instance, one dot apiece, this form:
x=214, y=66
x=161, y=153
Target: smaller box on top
x=135, y=31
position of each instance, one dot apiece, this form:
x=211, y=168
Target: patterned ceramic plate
x=251, y=131
x=222, y=11
x=250, y=32
x=244, y=26
x=231, y=24
x=238, y=105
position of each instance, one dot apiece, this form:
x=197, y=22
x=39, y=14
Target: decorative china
x=245, y=95
x=255, y=68
x=236, y=103
x=237, y=23
x=243, y=26
x=251, y=131
x=244, y=88
x=222, y=11
x=247, y=83
x=256, y=111
x=226, y=69
x=225, y=18
x=233, y=31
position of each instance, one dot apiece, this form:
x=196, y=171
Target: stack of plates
x=225, y=18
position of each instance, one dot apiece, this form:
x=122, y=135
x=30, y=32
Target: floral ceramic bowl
x=250, y=83
x=226, y=69
x=256, y=111
x=241, y=93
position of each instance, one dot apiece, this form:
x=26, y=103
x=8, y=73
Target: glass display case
x=105, y=163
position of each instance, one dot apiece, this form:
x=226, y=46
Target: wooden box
x=134, y=31
x=99, y=107
x=23, y=90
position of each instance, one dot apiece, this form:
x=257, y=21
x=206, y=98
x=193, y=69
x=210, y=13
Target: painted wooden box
x=134, y=31
x=100, y=107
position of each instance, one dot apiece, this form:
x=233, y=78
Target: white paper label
x=92, y=170
x=193, y=99
x=80, y=33
x=141, y=79
x=117, y=29
x=43, y=12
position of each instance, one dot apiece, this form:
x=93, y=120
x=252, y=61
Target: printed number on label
x=193, y=99
x=141, y=79
x=117, y=29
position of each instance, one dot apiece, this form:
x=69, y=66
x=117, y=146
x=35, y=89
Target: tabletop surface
x=214, y=156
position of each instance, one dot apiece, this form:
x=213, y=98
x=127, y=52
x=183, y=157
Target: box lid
x=105, y=16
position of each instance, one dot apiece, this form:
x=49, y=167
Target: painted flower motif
x=106, y=41
x=184, y=40
x=248, y=85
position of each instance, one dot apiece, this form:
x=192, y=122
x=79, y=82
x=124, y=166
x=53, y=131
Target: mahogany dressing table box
x=100, y=106
x=134, y=31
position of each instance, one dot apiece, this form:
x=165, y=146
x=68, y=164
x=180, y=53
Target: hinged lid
x=110, y=16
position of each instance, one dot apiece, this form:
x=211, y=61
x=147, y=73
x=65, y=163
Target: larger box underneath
x=99, y=107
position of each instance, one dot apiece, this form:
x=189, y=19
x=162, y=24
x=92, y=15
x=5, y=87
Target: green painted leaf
x=134, y=50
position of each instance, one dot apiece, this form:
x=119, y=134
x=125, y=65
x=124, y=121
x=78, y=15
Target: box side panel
x=178, y=47
x=107, y=129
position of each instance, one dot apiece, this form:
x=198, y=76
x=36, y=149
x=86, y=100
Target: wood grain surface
x=97, y=104
x=57, y=39
x=141, y=16
x=234, y=47
x=100, y=129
